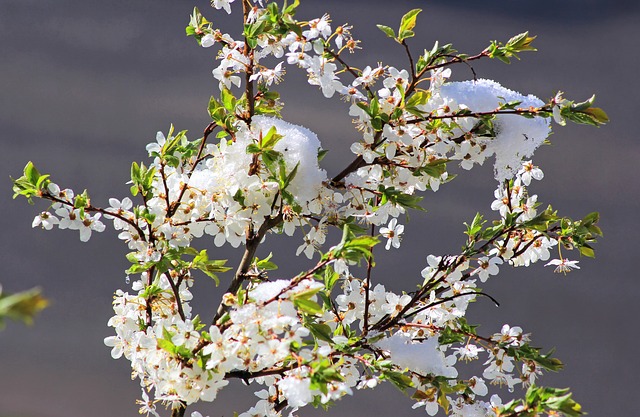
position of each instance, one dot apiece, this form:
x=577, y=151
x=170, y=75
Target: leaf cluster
x=539, y=400
x=31, y=184
x=142, y=179
x=515, y=45
x=405, y=31
x=275, y=21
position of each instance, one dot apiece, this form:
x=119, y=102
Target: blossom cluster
x=182, y=360
x=330, y=330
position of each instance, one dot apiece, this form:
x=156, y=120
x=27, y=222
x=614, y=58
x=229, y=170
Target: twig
x=171, y=210
x=367, y=285
x=253, y=241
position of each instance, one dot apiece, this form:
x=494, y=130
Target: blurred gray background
x=84, y=85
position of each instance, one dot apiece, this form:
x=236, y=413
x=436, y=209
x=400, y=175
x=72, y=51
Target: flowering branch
x=330, y=330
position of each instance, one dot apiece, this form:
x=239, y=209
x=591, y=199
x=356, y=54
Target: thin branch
x=357, y=162
x=253, y=241
x=166, y=187
x=149, y=310
x=447, y=299
x=280, y=405
x=248, y=52
x=456, y=60
x=440, y=329
x=176, y=295
x=246, y=375
x=532, y=111
x=296, y=280
x=367, y=285
x=414, y=77
x=171, y=210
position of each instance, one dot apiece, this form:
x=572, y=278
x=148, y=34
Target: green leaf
x=433, y=169
x=443, y=401
x=400, y=380
x=270, y=139
x=418, y=98
x=397, y=197
x=330, y=278
x=210, y=267
x=387, y=31
x=266, y=264
x=31, y=173
x=291, y=9
x=476, y=225
x=598, y=115
x=270, y=159
x=587, y=251
x=407, y=24
x=179, y=351
x=307, y=294
x=308, y=306
x=216, y=111
x=521, y=42
x=541, y=221
x=291, y=176
x=322, y=153
x=320, y=331
x=228, y=99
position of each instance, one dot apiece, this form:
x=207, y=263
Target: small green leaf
x=407, y=24
x=320, y=331
x=266, y=264
x=387, y=31
x=587, y=251
x=400, y=380
x=228, y=99
x=322, y=153
x=270, y=139
x=597, y=115
x=308, y=306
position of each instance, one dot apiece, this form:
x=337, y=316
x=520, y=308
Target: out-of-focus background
x=84, y=85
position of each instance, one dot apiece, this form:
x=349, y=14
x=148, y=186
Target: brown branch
x=387, y=322
x=456, y=60
x=451, y=298
x=367, y=285
x=166, y=187
x=296, y=280
x=176, y=295
x=439, y=329
x=248, y=52
x=519, y=111
x=414, y=77
x=253, y=241
x=171, y=210
x=358, y=162
x=246, y=375
x=148, y=300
